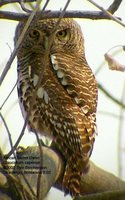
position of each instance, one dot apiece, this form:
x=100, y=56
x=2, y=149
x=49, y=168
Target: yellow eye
x=62, y=34
x=34, y=34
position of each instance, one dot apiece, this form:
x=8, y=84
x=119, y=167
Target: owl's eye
x=34, y=34
x=62, y=35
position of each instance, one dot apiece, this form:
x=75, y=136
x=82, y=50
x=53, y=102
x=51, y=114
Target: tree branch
x=117, y=195
x=95, y=15
x=102, y=182
x=97, y=180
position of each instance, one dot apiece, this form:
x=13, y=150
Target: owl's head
x=67, y=36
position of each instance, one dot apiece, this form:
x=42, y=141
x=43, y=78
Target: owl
x=57, y=88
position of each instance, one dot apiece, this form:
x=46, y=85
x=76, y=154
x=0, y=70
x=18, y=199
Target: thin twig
x=8, y=96
x=114, y=6
x=14, y=154
x=11, y=60
x=100, y=112
x=111, y=97
x=27, y=184
x=46, y=58
x=19, y=42
x=32, y=17
x=107, y=12
x=120, y=132
x=24, y=8
x=40, y=169
x=18, y=140
x=38, y=141
x=15, y=184
x=100, y=67
x=9, y=135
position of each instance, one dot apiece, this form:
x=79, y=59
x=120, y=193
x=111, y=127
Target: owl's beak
x=45, y=43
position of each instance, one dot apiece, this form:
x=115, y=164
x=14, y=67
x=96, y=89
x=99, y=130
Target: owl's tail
x=76, y=166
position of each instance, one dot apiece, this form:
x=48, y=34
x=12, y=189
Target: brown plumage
x=66, y=92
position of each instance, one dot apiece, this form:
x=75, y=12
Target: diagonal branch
x=114, y=6
x=110, y=96
x=107, y=12
x=19, y=42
